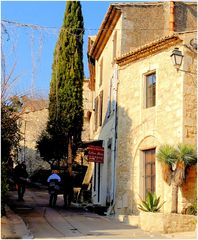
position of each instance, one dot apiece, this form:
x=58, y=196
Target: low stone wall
x=167, y=223
x=133, y=220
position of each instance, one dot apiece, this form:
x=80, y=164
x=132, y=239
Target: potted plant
x=150, y=217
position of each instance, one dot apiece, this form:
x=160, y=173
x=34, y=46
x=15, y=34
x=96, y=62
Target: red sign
x=95, y=154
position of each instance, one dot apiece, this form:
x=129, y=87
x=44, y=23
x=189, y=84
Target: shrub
x=192, y=209
x=151, y=204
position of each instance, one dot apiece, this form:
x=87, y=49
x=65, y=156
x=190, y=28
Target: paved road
x=45, y=222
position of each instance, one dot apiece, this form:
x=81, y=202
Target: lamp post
x=177, y=58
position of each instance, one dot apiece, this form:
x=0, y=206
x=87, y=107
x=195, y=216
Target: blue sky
x=32, y=50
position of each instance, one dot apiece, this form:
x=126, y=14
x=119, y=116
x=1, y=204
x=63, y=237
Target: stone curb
x=13, y=226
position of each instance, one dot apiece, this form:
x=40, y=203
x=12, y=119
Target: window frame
x=150, y=92
x=146, y=162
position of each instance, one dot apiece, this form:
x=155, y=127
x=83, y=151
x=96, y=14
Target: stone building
x=156, y=105
x=87, y=106
x=33, y=121
x=126, y=27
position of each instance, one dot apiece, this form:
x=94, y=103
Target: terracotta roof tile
x=149, y=47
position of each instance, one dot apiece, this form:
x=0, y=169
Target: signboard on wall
x=95, y=154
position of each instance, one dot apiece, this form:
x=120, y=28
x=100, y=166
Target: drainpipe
x=171, y=17
x=111, y=207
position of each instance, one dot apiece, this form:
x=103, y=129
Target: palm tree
x=174, y=163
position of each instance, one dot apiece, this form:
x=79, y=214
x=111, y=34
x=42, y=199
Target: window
x=100, y=107
x=98, y=110
x=110, y=100
x=149, y=162
x=101, y=72
x=96, y=113
x=150, y=90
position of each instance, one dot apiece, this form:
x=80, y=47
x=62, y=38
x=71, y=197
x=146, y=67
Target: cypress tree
x=65, y=99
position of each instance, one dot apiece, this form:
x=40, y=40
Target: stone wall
x=190, y=94
x=32, y=124
x=189, y=188
x=87, y=107
x=167, y=223
x=185, y=16
x=144, y=22
x=141, y=128
x=139, y=27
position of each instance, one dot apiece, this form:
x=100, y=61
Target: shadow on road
x=74, y=222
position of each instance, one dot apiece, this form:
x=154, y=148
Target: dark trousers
x=53, y=198
x=68, y=196
x=21, y=190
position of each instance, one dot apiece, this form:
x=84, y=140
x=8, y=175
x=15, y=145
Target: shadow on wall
x=124, y=191
x=189, y=188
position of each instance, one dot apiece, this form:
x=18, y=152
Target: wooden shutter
x=96, y=113
x=100, y=108
x=149, y=160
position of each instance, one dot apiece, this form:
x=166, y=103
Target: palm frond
x=167, y=154
x=187, y=154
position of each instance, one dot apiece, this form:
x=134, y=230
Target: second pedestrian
x=54, y=187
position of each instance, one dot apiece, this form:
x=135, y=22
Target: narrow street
x=76, y=222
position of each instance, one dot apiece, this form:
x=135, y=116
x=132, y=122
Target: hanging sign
x=95, y=154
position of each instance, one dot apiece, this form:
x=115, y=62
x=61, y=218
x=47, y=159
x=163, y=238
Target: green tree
x=174, y=162
x=66, y=101
x=51, y=148
x=10, y=132
x=10, y=136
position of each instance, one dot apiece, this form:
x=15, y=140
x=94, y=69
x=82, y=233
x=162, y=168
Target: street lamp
x=177, y=58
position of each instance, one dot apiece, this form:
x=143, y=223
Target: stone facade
x=126, y=28
x=168, y=122
x=32, y=123
x=87, y=107
x=167, y=223
x=34, y=120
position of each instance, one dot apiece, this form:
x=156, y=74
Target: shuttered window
x=96, y=113
x=110, y=99
x=100, y=107
x=101, y=72
x=149, y=161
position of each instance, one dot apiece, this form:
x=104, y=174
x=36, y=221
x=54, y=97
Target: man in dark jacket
x=21, y=178
x=67, y=186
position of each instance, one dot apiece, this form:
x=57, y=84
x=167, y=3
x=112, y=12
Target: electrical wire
x=80, y=29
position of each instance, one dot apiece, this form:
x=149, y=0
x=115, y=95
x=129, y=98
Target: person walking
x=67, y=185
x=21, y=178
x=54, y=187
